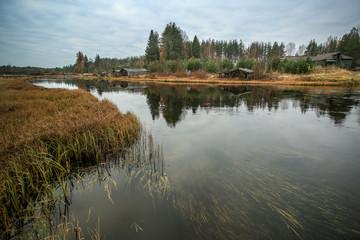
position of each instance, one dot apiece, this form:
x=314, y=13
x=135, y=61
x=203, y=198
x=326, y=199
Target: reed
x=45, y=134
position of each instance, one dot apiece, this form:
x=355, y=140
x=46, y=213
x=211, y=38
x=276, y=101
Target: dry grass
x=28, y=112
x=44, y=133
x=320, y=77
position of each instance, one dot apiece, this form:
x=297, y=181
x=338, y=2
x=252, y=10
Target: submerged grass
x=44, y=135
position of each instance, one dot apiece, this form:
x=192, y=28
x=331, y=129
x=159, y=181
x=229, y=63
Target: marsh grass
x=44, y=135
x=142, y=165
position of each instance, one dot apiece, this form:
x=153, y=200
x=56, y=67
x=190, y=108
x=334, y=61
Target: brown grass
x=199, y=75
x=28, y=112
x=44, y=133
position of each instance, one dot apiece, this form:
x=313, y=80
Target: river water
x=240, y=162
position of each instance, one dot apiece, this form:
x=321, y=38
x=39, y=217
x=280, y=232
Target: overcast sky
x=49, y=33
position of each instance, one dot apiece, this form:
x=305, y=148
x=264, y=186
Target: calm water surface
x=241, y=163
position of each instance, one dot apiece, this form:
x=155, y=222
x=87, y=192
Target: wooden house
x=332, y=59
x=130, y=72
x=242, y=73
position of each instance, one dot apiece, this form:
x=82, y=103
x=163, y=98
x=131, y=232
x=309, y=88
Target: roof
x=330, y=57
x=135, y=69
x=248, y=71
x=295, y=58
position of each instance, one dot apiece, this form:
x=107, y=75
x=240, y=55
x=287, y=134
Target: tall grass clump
x=47, y=133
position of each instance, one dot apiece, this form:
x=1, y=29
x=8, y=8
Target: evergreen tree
x=171, y=42
x=350, y=45
x=196, y=48
x=152, y=50
x=97, y=61
x=312, y=49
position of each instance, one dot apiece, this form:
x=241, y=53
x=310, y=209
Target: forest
x=174, y=52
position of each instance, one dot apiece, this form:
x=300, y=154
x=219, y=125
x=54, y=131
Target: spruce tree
x=196, y=47
x=350, y=45
x=152, y=49
x=172, y=42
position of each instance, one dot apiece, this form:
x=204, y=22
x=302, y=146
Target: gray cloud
x=49, y=33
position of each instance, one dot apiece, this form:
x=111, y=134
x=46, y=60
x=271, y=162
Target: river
x=240, y=162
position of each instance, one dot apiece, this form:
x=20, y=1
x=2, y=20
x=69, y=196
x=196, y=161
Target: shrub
x=259, y=69
x=211, y=67
x=246, y=63
x=194, y=64
x=275, y=64
x=226, y=64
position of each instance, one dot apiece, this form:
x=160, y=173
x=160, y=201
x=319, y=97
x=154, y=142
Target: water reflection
x=244, y=162
x=172, y=101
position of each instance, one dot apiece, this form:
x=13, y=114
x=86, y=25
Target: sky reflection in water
x=258, y=162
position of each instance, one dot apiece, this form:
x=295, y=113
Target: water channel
x=240, y=162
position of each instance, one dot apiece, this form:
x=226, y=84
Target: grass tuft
x=47, y=133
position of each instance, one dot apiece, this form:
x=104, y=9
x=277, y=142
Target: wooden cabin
x=130, y=72
x=335, y=59
x=332, y=59
x=242, y=73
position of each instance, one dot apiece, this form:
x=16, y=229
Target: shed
x=130, y=72
x=243, y=73
x=332, y=59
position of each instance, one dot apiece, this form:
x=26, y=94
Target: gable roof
x=132, y=70
x=248, y=71
x=330, y=57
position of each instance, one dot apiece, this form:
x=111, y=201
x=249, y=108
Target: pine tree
x=171, y=42
x=350, y=45
x=152, y=50
x=97, y=61
x=312, y=48
x=196, y=48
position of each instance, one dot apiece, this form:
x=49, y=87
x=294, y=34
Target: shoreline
x=332, y=78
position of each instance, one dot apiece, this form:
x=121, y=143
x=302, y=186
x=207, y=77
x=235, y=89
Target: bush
x=246, y=63
x=301, y=66
x=172, y=65
x=226, y=64
x=211, y=67
x=275, y=64
x=194, y=64
x=259, y=69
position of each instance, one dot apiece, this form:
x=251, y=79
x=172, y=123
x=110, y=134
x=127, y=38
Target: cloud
x=49, y=33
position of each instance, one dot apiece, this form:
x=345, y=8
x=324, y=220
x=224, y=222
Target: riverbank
x=319, y=77
x=45, y=134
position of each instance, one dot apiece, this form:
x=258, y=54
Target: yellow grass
x=28, y=112
x=44, y=133
x=320, y=76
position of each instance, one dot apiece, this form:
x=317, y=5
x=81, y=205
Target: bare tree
x=290, y=49
x=301, y=50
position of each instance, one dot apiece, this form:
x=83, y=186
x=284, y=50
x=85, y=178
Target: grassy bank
x=45, y=134
x=319, y=76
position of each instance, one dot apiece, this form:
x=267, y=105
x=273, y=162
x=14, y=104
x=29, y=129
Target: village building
x=336, y=59
x=332, y=59
x=242, y=73
x=130, y=72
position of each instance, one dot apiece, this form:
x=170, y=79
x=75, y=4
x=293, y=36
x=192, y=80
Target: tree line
x=174, y=45
x=172, y=52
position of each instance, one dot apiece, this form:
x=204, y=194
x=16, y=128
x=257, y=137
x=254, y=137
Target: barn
x=130, y=72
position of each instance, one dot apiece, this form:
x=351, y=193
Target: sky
x=49, y=33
